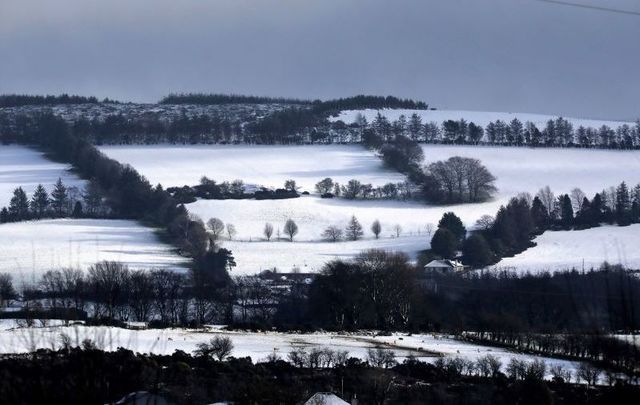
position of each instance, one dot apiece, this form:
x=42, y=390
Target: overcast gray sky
x=496, y=55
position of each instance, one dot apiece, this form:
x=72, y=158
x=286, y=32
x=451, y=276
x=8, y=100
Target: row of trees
x=18, y=100
x=557, y=132
x=62, y=202
x=354, y=189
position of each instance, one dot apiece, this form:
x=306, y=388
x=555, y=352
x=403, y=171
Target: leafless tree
x=290, y=229
x=485, y=222
x=231, y=231
x=332, y=233
x=577, y=198
x=268, y=231
x=398, y=229
x=376, y=228
x=219, y=347
x=216, y=228
x=547, y=198
x=429, y=228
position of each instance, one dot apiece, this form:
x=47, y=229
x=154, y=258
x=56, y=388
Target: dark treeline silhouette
x=557, y=132
x=18, y=100
x=211, y=99
x=209, y=189
x=86, y=375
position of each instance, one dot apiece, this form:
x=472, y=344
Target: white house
x=444, y=266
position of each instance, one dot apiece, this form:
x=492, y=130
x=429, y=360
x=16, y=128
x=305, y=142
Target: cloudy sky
x=498, y=55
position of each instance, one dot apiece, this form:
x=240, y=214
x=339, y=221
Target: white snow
x=309, y=257
x=585, y=249
x=265, y=165
x=481, y=118
x=26, y=168
x=257, y=345
x=28, y=249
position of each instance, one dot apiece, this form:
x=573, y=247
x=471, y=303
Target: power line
x=590, y=7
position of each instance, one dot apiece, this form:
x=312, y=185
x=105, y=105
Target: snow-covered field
x=517, y=170
x=21, y=166
x=28, y=249
x=481, y=118
x=265, y=165
x=308, y=257
x=586, y=249
x=257, y=345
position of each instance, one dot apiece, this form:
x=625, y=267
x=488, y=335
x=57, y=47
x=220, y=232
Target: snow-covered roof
x=325, y=398
x=449, y=264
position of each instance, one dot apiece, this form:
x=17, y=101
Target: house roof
x=449, y=264
x=325, y=398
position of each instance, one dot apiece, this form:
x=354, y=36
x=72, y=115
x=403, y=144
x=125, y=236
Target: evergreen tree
x=623, y=204
x=415, y=127
x=39, y=201
x=59, y=198
x=566, y=210
x=476, y=251
x=444, y=243
x=376, y=228
x=77, y=210
x=539, y=215
x=451, y=222
x=19, y=205
x=4, y=215
x=354, y=229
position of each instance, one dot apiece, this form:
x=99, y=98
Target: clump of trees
x=62, y=202
x=458, y=180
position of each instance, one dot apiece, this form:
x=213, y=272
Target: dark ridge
x=213, y=99
x=18, y=100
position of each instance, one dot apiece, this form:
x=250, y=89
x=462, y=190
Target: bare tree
x=290, y=228
x=577, y=198
x=332, y=233
x=429, y=228
x=219, y=347
x=485, y=222
x=398, y=229
x=290, y=185
x=380, y=357
x=376, y=228
x=216, y=228
x=547, y=198
x=268, y=231
x=231, y=231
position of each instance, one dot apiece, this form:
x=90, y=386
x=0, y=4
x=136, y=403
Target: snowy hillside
x=586, y=249
x=270, y=166
x=477, y=117
x=31, y=248
x=21, y=166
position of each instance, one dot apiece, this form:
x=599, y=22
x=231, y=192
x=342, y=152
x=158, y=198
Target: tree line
x=18, y=100
x=61, y=202
x=213, y=98
x=556, y=132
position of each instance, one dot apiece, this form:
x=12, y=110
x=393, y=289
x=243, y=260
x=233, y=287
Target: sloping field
x=481, y=118
x=580, y=250
x=28, y=249
x=269, y=166
x=26, y=168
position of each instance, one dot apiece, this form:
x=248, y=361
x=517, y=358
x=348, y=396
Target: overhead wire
x=591, y=7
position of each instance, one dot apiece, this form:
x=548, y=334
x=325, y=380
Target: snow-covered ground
x=586, y=249
x=265, y=165
x=481, y=118
x=309, y=257
x=26, y=168
x=257, y=345
x=28, y=249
